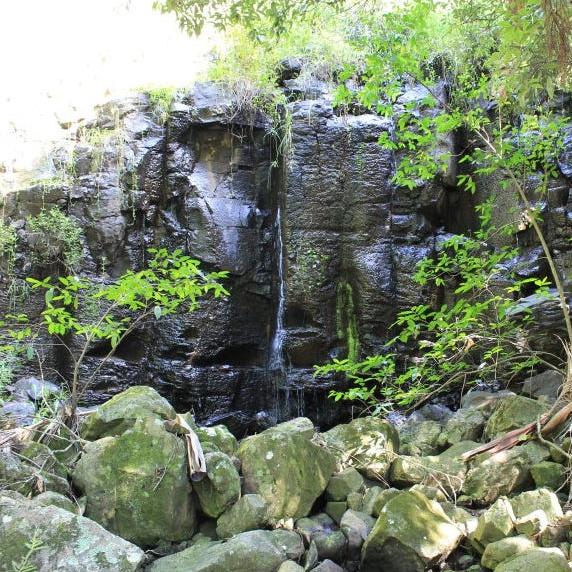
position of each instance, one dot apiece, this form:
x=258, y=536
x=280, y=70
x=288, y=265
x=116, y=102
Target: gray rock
x=356, y=527
x=263, y=551
x=344, y=483
x=547, y=384
x=464, y=425
x=512, y=413
x=67, y=542
x=503, y=473
x=33, y=388
x=367, y=444
x=328, y=566
x=545, y=559
x=504, y=549
x=220, y=488
x=137, y=484
x=494, y=524
x=122, y=411
x=248, y=513
x=16, y=414
x=411, y=534
x=287, y=470
x=420, y=438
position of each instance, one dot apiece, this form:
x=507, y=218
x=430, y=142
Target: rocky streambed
x=366, y=495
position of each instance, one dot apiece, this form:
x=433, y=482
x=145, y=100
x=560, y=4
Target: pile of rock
x=290, y=499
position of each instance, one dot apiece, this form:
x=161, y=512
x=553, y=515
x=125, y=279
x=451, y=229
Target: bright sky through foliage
x=59, y=57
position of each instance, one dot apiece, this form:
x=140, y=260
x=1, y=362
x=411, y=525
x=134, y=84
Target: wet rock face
x=211, y=183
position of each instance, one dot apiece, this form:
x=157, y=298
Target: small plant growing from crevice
x=171, y=283
x=160, y=99
x=56, y=240
x=8, y=240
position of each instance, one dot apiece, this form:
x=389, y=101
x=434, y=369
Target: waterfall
x=276, y=357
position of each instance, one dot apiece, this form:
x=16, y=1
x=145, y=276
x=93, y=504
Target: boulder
x=328, y=566
x=137, y=484
x=546, y=384
x=503, y=473
x=299, y=425
x=512, y=413
x=290, y=566
x=250, y=512
x=336, y=509
x=411, y=534
x=218, y=437
x=539, y=499
x=547, y=474
x=494, y=524
x=329, y=540
x=49, y=498
x=464, y=425
x=32, y=388
x=67, y=542
x=29, y=479
x=446, y=470
x=420, y=437
x=17, y=414
x=535, y=560
x=258, y=550
x=532, y=524
x=287, y=470
x=220, y=488
x=123, y=410
x=344, y=483
x=501, y=550
x=486, y=401
x=356, y=527
x=368, y=444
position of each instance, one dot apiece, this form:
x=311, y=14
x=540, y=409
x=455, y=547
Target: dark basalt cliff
x=320, y=245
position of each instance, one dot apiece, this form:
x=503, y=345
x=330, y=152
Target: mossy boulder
x=68, y=542
x=547, y=474
x=300, y=425
x=539, y=499
x=287, y=470
x=49, y=498
x=218, y=437
x=27, y=478
x=250, y=512
x=259, y=550
x=412, y=534
x=137, y=484
x=123, y=410
x=536, y=560
x=368, y=444
x=342, y=484
x=464, y=425
x=501, y=550
x=420, y=437
x=220, y=488
x=512, y=413
x=504, y=473
x=494, y=524
x=446, y=471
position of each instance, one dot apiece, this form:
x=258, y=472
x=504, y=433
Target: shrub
x=56, y=240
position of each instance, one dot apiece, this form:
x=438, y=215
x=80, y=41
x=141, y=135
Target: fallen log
x=548, y=423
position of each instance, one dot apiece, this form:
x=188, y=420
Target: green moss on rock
x=68, y=542
x=412, y=534
x=137, y=484
x=123, y=410
x=368, y=444
x=286, y=469
x=220, y=488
